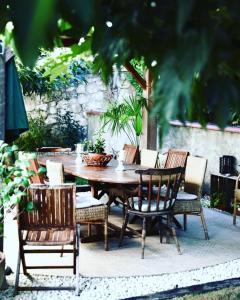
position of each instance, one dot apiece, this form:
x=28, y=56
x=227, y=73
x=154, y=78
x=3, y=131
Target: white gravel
x=123, y=287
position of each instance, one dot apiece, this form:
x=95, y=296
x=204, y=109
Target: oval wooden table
x=95, y=175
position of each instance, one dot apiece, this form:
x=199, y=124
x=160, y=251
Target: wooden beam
x=149, y=134
x=136, y=75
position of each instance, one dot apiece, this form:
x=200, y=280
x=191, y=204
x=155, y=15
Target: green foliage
x=14, y=180
x=38, y=135
x=216, y=199
x=125, y=117
x=139, y=66
x=67, y=132
x=64, y=133
x=95, y=147
x=43, y=80
x=191, y=47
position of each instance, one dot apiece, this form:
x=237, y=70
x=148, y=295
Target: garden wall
x=211, y=143
x=86, y=102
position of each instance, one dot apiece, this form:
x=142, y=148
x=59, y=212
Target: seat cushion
x=50, y=237
x=85, y=199
x=153, y=206
x=186, y=196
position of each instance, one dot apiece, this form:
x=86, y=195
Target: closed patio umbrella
x=12, y=110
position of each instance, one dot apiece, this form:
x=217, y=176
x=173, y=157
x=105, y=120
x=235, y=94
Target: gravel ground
x=123, y=287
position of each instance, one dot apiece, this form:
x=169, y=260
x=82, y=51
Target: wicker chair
x=188, y=201
x=51, y=223
x=156, y=205
x=89, y=210
x=176, y=158
x=236, y=202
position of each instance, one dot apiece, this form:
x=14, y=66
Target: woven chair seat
x=49, y=237
x=89, y=209
x=187, y=206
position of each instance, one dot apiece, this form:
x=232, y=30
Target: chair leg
x=61, y=254
x=106, y=234
x=22, y=257
x=184, y=222
x=77, y=260
x=124, y=226
x=89, y=229
x=15, y=291
x=143, y=237
x=160, y=229
x=234, y=211
x=204, y=225
x=174, y=236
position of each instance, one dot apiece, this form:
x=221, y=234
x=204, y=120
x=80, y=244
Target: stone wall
x=211, y=144
x=86, y=102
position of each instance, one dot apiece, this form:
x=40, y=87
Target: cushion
x=85, y=199
x=152, y=207
x=186, y=196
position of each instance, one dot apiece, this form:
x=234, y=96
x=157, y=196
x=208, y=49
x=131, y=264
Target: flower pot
x=2, y=268
x=97, y=159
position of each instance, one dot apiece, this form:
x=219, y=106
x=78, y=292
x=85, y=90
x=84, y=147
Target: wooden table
x=95, y=175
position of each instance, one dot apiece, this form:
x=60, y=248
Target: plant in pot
x=96, y=155
x=14, y=181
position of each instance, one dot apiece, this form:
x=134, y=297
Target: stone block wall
x=86, y=102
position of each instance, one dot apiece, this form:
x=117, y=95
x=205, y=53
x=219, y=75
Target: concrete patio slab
x=223, y=246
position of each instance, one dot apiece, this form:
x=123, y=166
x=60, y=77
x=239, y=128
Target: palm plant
x=125, y=117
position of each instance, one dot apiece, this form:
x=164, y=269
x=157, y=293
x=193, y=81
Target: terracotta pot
x=2, y=267
x=97, y=159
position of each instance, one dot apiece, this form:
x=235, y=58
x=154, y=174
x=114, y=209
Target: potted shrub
x=14, y=181
x=96, y=155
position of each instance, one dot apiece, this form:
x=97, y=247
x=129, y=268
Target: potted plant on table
x=96, y=155
x=14, y=181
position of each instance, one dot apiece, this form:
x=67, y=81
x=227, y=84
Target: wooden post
x=149, y=135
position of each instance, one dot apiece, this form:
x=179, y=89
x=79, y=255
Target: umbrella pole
x=2, y=94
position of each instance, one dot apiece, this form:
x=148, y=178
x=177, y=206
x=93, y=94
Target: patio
x=121, y=269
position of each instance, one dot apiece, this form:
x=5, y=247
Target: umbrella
x=13, y=117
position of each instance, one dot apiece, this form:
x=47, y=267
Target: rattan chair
x=89, y=210
x=152, y=204
x=176, y=158
x=236, y=202
x=51, y=223
x=188, y=201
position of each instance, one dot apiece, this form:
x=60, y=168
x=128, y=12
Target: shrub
x=64, y=133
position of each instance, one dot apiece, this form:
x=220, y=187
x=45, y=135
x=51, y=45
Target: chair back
x=176, y=158
x=53, y=207
x=194, y=174
x=55, y=172
x=149, y=158
x=157, y=189
x=34, y=166
x=130, y=153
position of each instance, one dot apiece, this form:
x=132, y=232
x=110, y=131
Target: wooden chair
x=149, y=158
x=51, y=223
x=53, y=150
x=130, y=153
x=153, y=204
x=176, y=158
x=236, y=202
x=188, y=201
x=34, y=166
x=89, y=210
